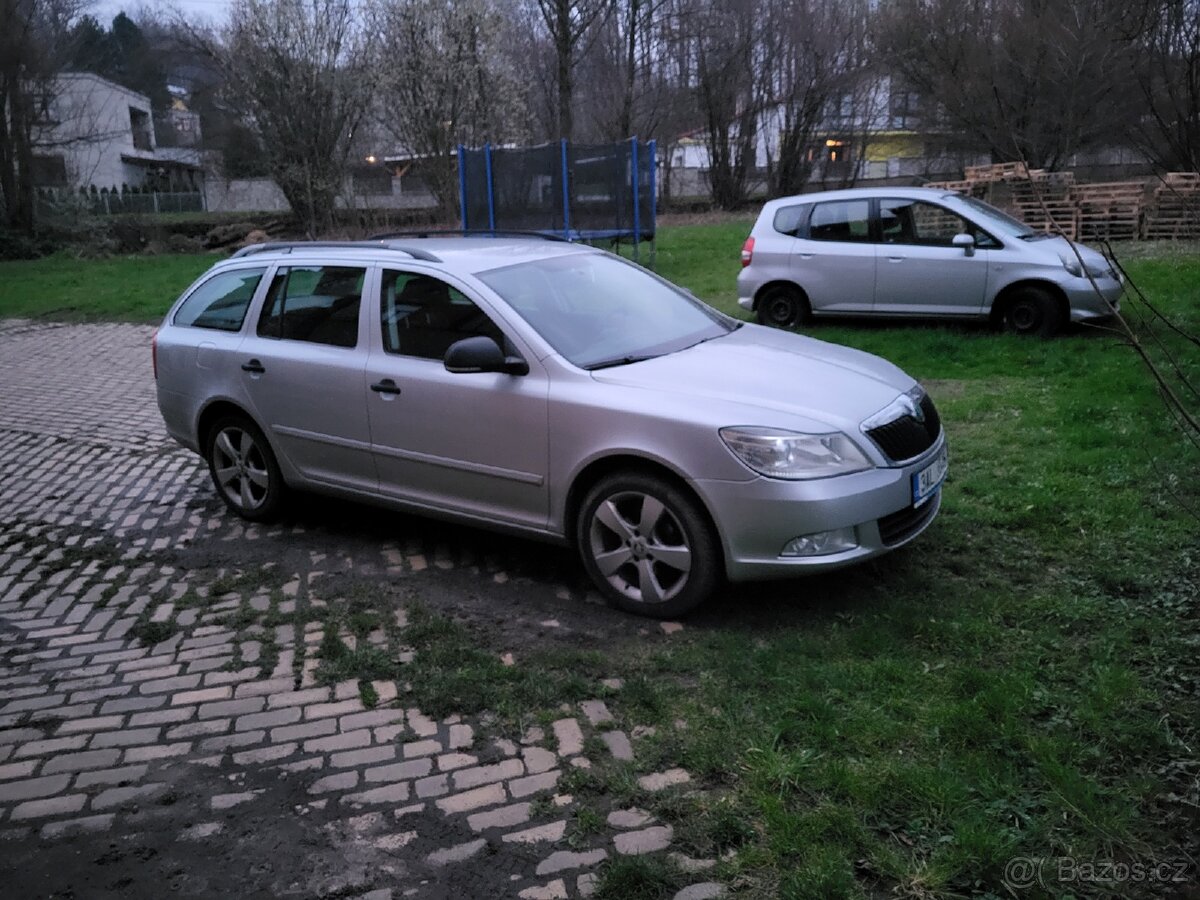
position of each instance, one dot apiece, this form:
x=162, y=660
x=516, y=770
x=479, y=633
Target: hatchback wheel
x=647, y=545
x=1032, y=311
x=243, y=468
x=783, y=307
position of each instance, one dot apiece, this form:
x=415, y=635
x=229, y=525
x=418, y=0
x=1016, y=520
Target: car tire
x=1032, y=311
x=783, y=306
x=243, y=469
x=648, y=545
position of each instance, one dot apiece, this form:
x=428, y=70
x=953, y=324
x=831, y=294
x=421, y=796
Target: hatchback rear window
x=221, y=302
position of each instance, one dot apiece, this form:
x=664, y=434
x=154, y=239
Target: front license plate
x=926, y=482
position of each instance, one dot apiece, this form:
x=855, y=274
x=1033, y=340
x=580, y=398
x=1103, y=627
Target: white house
x=95, y=133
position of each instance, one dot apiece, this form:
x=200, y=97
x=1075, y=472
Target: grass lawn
x=1022, y=681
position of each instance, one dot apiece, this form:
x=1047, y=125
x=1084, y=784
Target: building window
x=139, y=123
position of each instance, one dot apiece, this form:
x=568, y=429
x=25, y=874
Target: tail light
x=747, y=252
x=154, y=353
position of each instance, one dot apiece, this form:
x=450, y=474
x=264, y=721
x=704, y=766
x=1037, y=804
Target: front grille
x=900, y=526
x=905, y=437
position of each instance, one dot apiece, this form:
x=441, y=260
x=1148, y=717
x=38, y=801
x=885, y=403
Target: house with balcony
x=94, y=133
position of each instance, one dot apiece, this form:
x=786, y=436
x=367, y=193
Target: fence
x=112, y=203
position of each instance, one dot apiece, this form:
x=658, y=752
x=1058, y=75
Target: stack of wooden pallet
x=963, y=187
x=996, y=172
x=1110, y=211
x=1175, y=209
x=1043, y=201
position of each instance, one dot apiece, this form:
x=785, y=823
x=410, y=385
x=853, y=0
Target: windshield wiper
x=620, y=361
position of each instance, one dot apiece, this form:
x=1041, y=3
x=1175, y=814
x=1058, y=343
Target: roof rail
x=458, y=232
x=373, y=243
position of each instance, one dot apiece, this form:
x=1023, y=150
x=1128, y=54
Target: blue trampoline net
x=609, y=191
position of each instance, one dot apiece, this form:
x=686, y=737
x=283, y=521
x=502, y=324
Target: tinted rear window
x=790, y=219
x=220, y=302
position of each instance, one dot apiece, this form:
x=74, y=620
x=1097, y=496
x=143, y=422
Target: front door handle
x=387, y=386
x=254, y=366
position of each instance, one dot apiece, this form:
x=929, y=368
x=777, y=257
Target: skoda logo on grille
x=912, y=407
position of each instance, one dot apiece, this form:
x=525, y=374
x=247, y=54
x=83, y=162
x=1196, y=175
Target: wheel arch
x=213, y=411
x=1005, y=295
x=776, y=283
x=594, y=471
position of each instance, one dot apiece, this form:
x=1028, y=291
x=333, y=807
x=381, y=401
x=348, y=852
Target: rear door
x=833, y=259
x=303, y=366
x=919, y=271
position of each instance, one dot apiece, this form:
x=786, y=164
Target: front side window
x=221, y=302
x=422, y=316
x=317, y=304
x=841, y=220
x=924, y=224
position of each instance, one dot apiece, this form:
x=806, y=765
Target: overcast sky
x=212, y=10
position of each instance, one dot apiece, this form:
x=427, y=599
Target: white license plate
x=926, y=482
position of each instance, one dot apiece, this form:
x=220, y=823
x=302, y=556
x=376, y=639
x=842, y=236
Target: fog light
x=822, y=543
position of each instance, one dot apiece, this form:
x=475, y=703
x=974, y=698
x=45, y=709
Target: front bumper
x=1088, y=305
x=757, y=518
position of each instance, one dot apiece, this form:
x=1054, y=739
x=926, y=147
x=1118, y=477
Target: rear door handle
x=253, y=366
x=387, y=386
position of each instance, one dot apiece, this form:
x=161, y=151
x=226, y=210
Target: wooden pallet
x=1175, y=211
x=1050, y=216
x=996, y=172
x=963, y=187
x=1110, y=210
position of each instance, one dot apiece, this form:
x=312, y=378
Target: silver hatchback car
x=917, y=252
x=553, y=390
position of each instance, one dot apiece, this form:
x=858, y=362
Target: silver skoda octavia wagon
x=553, y=390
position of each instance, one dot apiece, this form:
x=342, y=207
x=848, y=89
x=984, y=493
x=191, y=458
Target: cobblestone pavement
x=161, y=726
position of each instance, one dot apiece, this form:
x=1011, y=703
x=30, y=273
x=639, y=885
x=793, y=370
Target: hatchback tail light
x=747, y=252
x=154, y=353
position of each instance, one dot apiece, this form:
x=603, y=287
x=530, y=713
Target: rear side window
x=316, y=304
x=790, y=219
x=841, y=220
x=221, y=302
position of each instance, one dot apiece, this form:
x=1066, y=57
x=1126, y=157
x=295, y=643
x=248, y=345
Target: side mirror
x=966, y=241
x=482, y=354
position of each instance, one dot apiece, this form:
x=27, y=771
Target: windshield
x=597, y=310
x=999, y=221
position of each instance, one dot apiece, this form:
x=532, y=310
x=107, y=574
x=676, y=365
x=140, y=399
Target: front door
x=474, y=444
x=919, y=271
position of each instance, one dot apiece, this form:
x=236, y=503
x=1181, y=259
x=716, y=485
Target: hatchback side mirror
x=481, y=354
x=966, y=241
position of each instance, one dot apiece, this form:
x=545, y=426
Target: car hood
x=772, y=378
x=1059, y=246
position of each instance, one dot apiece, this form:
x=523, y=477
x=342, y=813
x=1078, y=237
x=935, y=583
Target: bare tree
x=300, y=72
x=32, y=48
x=568, y=22
x=1168, y=78
x=724, y=36
x=623, y=92
x=443, y=82
x=815, y=53
x=1032, y=79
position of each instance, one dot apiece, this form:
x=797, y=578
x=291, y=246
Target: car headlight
x=1071, y=264
x=787, y=454
x=1096, y=270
